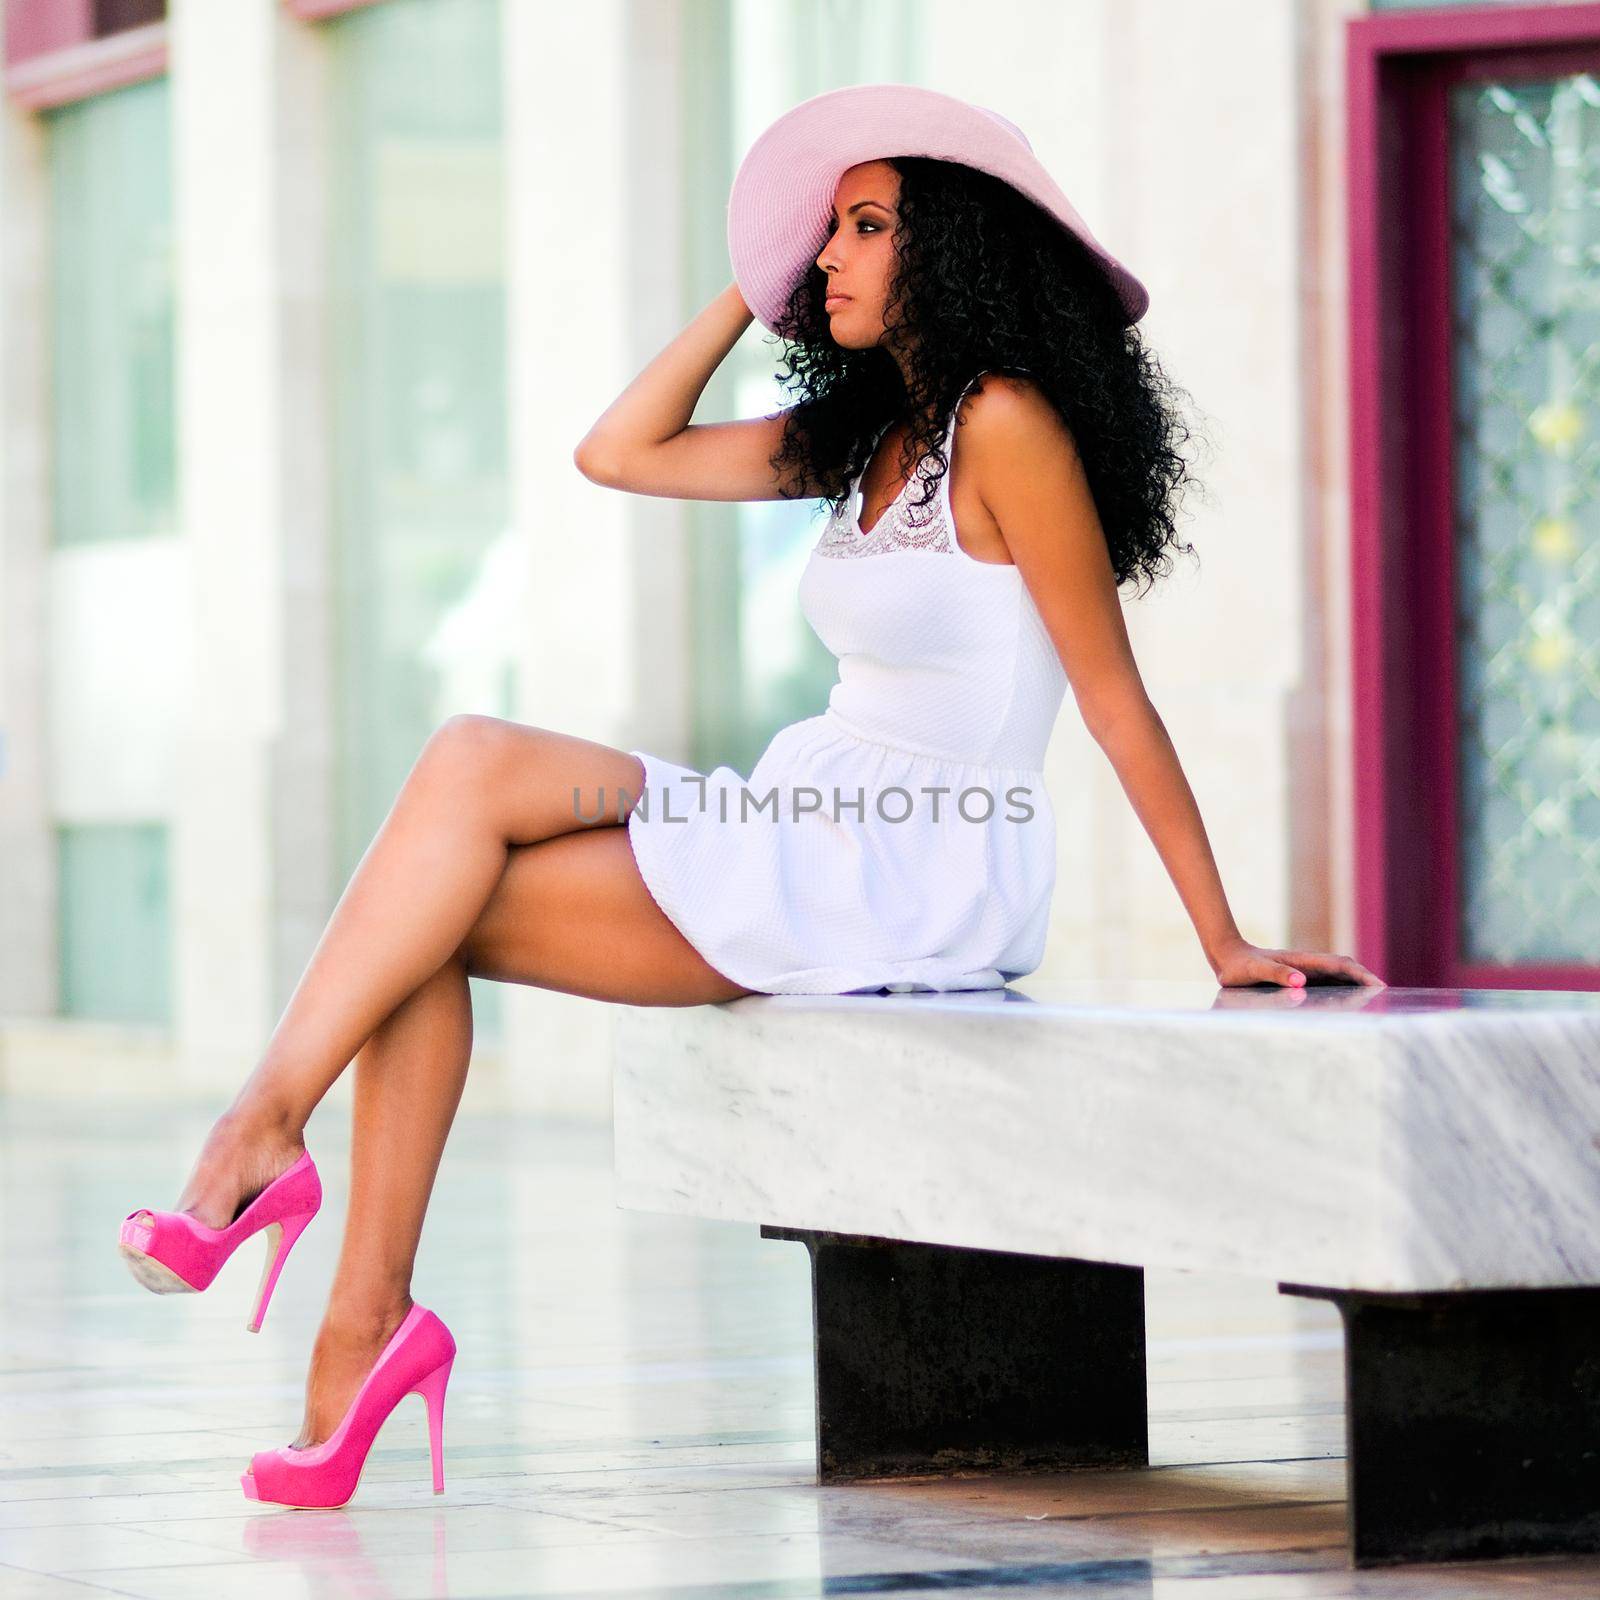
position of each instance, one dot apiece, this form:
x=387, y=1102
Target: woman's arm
x=1029, y=475
x=1137, y=744
x=643, y=442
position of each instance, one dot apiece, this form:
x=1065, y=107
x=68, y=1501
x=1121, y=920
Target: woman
x=919, y=293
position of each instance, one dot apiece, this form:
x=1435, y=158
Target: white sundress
x=839, y=866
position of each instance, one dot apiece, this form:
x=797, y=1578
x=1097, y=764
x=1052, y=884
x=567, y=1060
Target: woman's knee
x=469, y=748
x=528, y=782
x=471, y=736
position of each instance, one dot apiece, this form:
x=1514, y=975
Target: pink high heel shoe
x=171, y=1252
x=416, y=1360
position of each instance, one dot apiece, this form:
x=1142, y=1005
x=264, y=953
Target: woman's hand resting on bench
x=1240, y=962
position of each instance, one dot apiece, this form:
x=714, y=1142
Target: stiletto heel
x=416, y=1360
x=170, y=1252
x=280, y=1241
x=432, y=1390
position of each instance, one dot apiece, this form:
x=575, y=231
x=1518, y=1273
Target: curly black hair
x=987, y=281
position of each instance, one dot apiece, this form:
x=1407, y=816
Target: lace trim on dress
x=903, y=526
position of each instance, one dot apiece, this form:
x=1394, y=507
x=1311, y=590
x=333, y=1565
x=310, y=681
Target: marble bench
x=981, y=1178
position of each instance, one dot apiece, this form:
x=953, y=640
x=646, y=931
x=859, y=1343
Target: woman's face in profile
x=859, y=258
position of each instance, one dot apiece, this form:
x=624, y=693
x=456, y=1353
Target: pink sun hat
x=782, y=194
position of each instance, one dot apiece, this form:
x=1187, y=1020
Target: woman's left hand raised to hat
x=644, y=441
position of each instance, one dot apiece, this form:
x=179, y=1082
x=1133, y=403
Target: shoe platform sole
x=154, y=1275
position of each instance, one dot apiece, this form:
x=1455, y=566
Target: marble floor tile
x=16, y=1584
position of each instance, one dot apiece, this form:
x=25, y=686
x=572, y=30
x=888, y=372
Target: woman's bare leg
x=409, y=1078
x=481, y=787
x=570, y=914
x=567, y=911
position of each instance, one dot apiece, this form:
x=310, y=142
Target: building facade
x=307, y=302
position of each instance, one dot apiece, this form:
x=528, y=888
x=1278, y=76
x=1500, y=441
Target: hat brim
x=782, y=194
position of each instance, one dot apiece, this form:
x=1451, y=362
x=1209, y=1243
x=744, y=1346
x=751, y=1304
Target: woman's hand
x=1241, y=962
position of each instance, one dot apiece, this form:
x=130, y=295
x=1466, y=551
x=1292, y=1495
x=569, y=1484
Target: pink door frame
x=1398, y=69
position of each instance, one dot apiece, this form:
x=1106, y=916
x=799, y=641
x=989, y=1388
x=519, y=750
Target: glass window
x=115, y=925
x=114, y=464
x=758, y=665
x=424, y=550
x=1525, y=241
x=116, y=16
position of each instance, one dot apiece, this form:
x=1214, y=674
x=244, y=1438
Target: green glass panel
x=758, y=666
x=113, y=456
x=1525, y=208
x=115, y=924
x=422, y=531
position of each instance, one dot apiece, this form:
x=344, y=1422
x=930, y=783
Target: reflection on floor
x=629, y=1415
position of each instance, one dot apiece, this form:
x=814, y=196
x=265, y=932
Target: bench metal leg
x=1472, y=1421
x=934, y=1359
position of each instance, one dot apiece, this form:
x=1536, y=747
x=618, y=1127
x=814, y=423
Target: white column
x=252, y=824
x=1328, y=468
x=27, y=854
x=595, y=217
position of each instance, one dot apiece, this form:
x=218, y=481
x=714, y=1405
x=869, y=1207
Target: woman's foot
x=240, y=1157
x=347, y=1349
